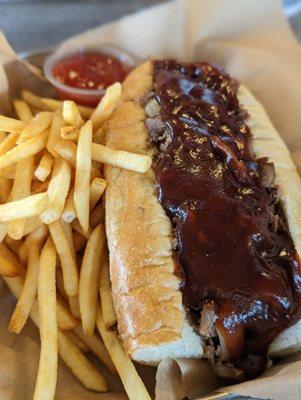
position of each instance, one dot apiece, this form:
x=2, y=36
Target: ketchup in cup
x=84, y=75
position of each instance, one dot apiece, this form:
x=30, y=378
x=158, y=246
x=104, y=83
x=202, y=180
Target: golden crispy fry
x=24, y=208
x=23, y=150
x=106, y=105
x=66, y=253
x=70, y=132
x=9, y=263
x=29, y=290
x=132, y=382
x=80, y=366
x=5, y=189
x=82, y=175
x=65, y=319
x=77, y=341
x=107, y=306
x=71, y=114
x=11, y=125
x=13, y=245
x=74, y=306
x=8, y=172
x=77, y=227
x=34, y=101
x=32, y=224
x=98, y=186
x=23, y=253
x=57, y=191
x=121, y=159
x=67, y=150
x=20, y=190
x=22, y=110
x=35, y=126
x=3, y=136
x=8, y=143
x=98, y=348
x=55, y=132
x=79, y=241
x=88, y=279
x=97, y=215
x=69, y=213
x=43, y=170
x=70, y=354
x=3, y=230
x=53, y=104
x=47, y=372
x=60, y=284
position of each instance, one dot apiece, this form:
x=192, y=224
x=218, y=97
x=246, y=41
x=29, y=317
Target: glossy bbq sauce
x=224, y=212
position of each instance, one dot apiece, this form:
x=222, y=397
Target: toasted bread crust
x=145, y=288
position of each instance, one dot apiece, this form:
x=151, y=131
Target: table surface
x=33, y=24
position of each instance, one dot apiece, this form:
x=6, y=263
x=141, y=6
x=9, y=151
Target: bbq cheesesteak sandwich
x=204, y=247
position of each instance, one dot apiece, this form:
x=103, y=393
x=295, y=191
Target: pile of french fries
x=53, y=251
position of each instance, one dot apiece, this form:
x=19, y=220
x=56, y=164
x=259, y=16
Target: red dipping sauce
x=84, y=76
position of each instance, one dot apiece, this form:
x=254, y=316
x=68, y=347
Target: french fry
x=132, y=382
x=5, y=189
x=32, y=224
x=66, y=321
x=8, y=172
x=120, y=158
x=13, y=245
x=71, y=114
x=82, y=175
x=68, y=261
x=8, y=143
x=69, y=213
x=106, y=300
x=106, y=105
x=29, y=290
x=9, y=263
x=23, y=150
x=80, y=366
x=67, y=150
x=77, y=227
x=77, y=341
x=55, y=132
x=21, y=189
x=57, y=191
x=3, y=136
x=3, y=230
x=70, y=354
x=43, y=170
x=11, y=125
x=47, y=372
x=74, y=306
x=88, y=279
x=60, y=284
x=79, y=241
x=53, y=104
x=33, y=100
x=35, y=126
x=70, y=132
x=98, y=186
x=24, y=208
x=22, y=110
x=97, y=347
x=23, y=253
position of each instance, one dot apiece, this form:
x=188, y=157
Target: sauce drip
x=223, y=213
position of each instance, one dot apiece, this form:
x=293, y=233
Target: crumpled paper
x=252, y=40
